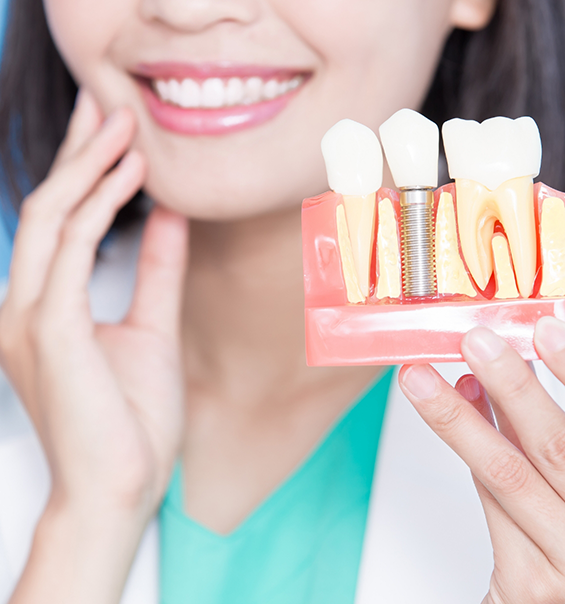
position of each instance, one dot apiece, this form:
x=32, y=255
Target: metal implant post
x=418, y=245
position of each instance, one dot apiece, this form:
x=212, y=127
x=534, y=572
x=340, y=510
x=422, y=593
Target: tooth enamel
x=271, y=89
x=354, y=162
x=494, y=164
x=175, y=91
x=452, y=277
x=253, y=90
x=190, y=95
x=411, y=145
x=162, y=89
x=493, y=152
x=295, y=82
x=354, y=158
x=234, y=91
x=213, y=93
x=388, y=253
x=552, y=236
x=505, y=281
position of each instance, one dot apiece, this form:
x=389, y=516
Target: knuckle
x=448, y=418
x=77, y=232
x=544, y=589
x=519, y=386
x=552, y=452
x=507, y=472
x=10, y=335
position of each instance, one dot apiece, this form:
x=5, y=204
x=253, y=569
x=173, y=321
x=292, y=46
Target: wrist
x=79, y=554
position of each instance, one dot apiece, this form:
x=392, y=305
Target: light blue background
x=5, y=238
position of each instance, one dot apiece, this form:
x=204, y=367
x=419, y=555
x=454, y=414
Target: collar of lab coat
x=426, y=538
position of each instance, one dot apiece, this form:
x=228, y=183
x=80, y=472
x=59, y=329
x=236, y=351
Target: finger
x=538, y=422
x=45, y=211
x=506, y=536
x=519, y=488
x=549, y=340
x=86, y=120
x=513, y=549
x=161, y=269
x=470, y=389
x=66, y=287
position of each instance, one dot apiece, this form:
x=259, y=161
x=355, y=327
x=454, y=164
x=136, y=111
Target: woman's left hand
x=519, y=469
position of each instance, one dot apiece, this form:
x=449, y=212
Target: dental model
x=393, y=278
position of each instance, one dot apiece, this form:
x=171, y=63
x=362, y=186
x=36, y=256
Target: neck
x=244, y=314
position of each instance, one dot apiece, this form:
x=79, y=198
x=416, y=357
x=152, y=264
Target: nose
x=198, y=15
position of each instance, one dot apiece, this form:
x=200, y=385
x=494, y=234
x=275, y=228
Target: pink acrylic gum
x=401, y=330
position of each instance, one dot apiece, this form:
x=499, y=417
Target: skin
x=232, y=384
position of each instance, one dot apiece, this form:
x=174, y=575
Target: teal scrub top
x=302, y=545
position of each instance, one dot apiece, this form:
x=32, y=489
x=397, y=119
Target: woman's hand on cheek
x=106, y=399
x=519, y=469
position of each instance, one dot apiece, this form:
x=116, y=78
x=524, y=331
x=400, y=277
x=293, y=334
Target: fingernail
x=470, y=389
x=420, y=381
x=550, y=333
x=484, y=344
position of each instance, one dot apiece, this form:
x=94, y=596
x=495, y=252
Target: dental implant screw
x=418, y=242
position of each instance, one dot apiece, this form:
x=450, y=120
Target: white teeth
x=494, y=164
x=493, y=152
x=234, y=91
x=271, y=89
x=411, y=144
x=214, y=93
x=190, y=94
x=354, y=158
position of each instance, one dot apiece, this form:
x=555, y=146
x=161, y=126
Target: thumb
x=162, y=264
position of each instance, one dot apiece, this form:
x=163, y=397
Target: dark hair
x=513, y=67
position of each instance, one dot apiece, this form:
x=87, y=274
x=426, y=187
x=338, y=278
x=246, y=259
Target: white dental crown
x=493, y=152
x=354, y=158
x=411, y=144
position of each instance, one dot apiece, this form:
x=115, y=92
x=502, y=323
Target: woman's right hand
x=106, y=400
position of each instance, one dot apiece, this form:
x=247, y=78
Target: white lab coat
x=426, y=540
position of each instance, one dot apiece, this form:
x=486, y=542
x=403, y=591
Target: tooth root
x=478, y=209
x=505, y=282
x=516, y=212
x=360, y=213
x=388, y=253
x=475, y=235
x=552, y=227
x=354, y=294
x=452, y=278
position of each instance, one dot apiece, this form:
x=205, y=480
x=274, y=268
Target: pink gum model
x=391, y=331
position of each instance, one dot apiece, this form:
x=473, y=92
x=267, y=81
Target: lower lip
x=207, y=122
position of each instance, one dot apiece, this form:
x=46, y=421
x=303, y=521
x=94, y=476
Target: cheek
x=376, y=55
x=84, y=31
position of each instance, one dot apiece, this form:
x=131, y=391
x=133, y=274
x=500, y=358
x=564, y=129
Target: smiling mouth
x=219, y=93
x=216, y=98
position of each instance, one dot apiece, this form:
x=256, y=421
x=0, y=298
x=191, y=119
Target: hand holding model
x=91, y=390
x=519, y=469
x=513, y=438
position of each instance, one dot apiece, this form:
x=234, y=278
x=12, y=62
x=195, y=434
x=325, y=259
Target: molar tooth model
x=393, y=278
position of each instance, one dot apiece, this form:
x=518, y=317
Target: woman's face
x=260, y=81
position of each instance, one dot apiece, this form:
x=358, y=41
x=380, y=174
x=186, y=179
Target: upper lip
x=203, y=71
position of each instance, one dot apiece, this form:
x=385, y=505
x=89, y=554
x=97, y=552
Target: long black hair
x=513, y=67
